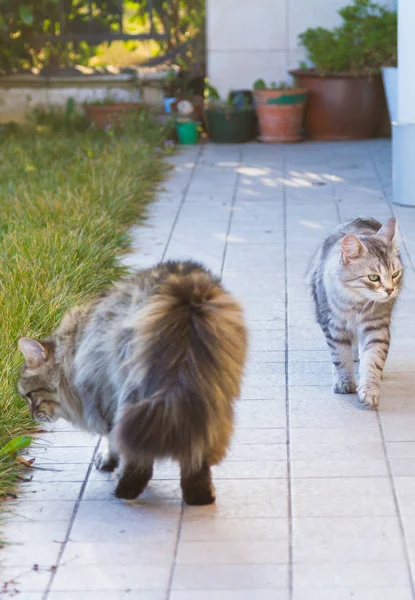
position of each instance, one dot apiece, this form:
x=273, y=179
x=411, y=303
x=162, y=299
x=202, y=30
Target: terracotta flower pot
x=280, y=114
x=103, y=115
x=341, y=107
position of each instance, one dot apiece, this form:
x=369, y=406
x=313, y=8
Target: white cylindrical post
x=403, y=130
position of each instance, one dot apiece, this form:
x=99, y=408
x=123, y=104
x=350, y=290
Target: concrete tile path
x=316, y=500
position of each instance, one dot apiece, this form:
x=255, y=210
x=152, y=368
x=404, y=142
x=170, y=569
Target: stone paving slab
x=316, y=499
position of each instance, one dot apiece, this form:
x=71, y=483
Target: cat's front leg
x=355, y=351
x=108, y=459
x=373, y=347
x=342, y=360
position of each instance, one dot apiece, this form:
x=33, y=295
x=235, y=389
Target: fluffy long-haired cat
x=155, y=364
x=355, y=279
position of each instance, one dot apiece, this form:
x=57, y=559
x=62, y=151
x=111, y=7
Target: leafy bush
x=232, y=103
x=25, y=27
x=364, y=42
x=28, y=30
x=260, y=84
x=183, y=24
x=211, y=93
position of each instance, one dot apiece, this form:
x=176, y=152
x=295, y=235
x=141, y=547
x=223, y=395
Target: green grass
x=67, y=197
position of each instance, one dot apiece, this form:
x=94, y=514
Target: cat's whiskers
x=365, y=300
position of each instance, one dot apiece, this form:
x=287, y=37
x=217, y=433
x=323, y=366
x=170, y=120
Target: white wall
x=248, y=39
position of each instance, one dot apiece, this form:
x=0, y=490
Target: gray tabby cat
x=155, y=364
x=355, y=279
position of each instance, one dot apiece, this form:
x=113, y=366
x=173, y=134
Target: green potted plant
x=109, y=111
x=229, y=121
x=346, y=94
x=280, y=110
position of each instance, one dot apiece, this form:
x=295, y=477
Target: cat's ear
x=388, y=231
x=34, y=353
x=352, y=248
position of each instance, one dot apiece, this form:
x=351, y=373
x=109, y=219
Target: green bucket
x=187, y=132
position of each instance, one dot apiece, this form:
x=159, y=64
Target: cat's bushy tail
x=191, y=350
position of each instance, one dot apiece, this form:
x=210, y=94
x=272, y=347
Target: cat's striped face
x=37, y=383
x=371, y=266
x=41, y=402
x=384, y=281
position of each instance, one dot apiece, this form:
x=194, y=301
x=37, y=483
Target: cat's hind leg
x=132, y=479
x=197, y=487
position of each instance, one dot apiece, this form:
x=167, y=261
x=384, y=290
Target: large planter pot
x=105, y=115
x=230, y=125
x=341, y=107
x=280, y=114
x=390, y=83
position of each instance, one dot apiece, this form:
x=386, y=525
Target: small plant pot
x=230, y=126
x=280, y=114
x=104, y=115
x=187, y=132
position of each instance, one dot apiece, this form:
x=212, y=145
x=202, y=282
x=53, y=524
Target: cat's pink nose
x=389, y=291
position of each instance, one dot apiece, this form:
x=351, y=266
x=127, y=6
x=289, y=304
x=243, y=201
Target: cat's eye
x=394, y=275
x=373, y=277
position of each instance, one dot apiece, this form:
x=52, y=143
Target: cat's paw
x=344, y=387
x=105, y=461
x=369, y=397
x=130, y=484
x=199, y=496
x=127, y=490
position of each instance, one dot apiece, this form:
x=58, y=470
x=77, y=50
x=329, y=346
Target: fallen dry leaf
x=24, y=462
